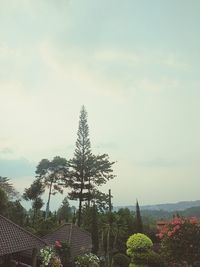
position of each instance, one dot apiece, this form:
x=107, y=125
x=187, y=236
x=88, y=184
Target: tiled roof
x=14, y=238
x=79, y=240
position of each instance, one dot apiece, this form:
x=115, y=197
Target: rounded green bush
x=137, y=243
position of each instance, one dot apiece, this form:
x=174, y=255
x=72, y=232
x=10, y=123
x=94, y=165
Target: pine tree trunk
x=108, y=247
x=114, y=246
x=80, y=210
x=47, y=207
x=80, y=204
x=89, y=200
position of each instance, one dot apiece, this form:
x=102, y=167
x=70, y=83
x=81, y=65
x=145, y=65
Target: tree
x=139, y=249
x=81, y=164
x=139, y=224
x=16, y=212
x=33, y=193
x=65, y=211
x=87, y=171
x=3, y=202
x=52, y=174
x=8, y=188
x=90, y=223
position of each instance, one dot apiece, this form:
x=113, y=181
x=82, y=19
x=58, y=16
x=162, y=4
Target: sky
x=134, y=64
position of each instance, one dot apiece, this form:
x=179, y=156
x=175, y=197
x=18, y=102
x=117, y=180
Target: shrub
x=138, y=243
x=137, y=265
x=121, y=260
x=87, y=260
x=180, y=240
x=139, y=248
x=49, y=257
x=62, y=249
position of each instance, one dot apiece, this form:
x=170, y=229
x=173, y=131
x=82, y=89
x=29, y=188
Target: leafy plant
x=87, y=260
x=49, y=257
x=121, y=260
x=139, y=248
x=63, y=250
x=138, y=243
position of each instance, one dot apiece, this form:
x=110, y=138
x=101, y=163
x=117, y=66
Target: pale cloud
x=172, y=61
x=158, y=85
x=79, y=72
x=141, y=57
x=114, y=55
x=7, y=52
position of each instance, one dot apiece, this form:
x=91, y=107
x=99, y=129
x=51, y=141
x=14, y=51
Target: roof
x=78, y=239
x=14, y=238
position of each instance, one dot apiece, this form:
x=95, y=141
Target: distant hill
x=169, y=207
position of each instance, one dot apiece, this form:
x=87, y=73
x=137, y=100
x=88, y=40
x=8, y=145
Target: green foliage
x=91, y=224
x=8, y=188
x=34, y=191
x=62, y=249
x=155, y=259
x=3, y=202
x=49, y=257
x=16, y=212
x=150, y=257
x=137, y=265
x=138, y=243
x=46, y=226
x=87, y=171
x=87, y=260
x=120, y=260
x=139, y=248
x=64, y=213
x=33, y=194
x=81, y=165
x=52, y=174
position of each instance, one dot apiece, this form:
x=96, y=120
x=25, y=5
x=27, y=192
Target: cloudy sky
x=134, y=64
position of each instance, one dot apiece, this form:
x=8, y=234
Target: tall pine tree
x=139, y=224
x=87, y=171
x=79, y=164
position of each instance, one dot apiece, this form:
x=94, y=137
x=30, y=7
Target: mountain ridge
x=169, y=207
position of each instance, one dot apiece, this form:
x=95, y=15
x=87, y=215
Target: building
x=79, y=240
x=14, y=240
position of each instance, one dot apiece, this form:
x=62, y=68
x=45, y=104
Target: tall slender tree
x=87, y=171
x=52, y=174
x=139, y=224
x=79, y=164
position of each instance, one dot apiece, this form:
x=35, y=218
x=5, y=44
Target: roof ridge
x=23, y=229
x=55, y=230
x=70, y=234
x=83, y=230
